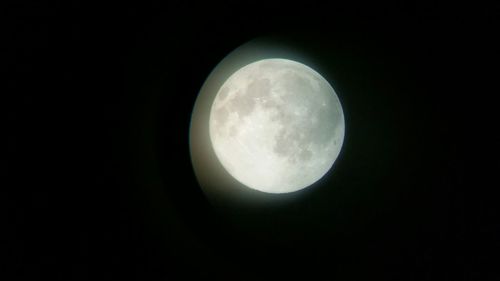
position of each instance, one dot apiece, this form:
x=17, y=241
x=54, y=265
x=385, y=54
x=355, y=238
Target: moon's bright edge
x=321, y=145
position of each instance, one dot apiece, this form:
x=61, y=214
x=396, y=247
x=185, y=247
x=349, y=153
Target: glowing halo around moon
x=264, y=122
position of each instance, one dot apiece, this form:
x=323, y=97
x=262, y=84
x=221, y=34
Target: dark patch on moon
x=244, y=103
x=220, y=116
x=223, y=93
x=292, y=145
x=258, y=89
x=242, y=106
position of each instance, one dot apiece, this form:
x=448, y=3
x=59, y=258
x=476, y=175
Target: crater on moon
x=276, y=125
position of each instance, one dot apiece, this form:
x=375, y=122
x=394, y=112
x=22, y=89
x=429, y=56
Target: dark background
x=99, y=180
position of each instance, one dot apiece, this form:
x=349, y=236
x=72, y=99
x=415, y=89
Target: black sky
x=99, y=179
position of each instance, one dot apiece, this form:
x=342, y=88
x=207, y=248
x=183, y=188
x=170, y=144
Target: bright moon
x=276, y=126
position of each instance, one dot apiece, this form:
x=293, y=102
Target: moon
x=276, y=125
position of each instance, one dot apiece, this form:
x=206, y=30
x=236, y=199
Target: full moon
x=276, y=126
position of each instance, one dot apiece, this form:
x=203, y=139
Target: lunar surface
x=276, y=126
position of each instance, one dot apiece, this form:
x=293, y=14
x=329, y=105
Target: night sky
x=100, y=183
